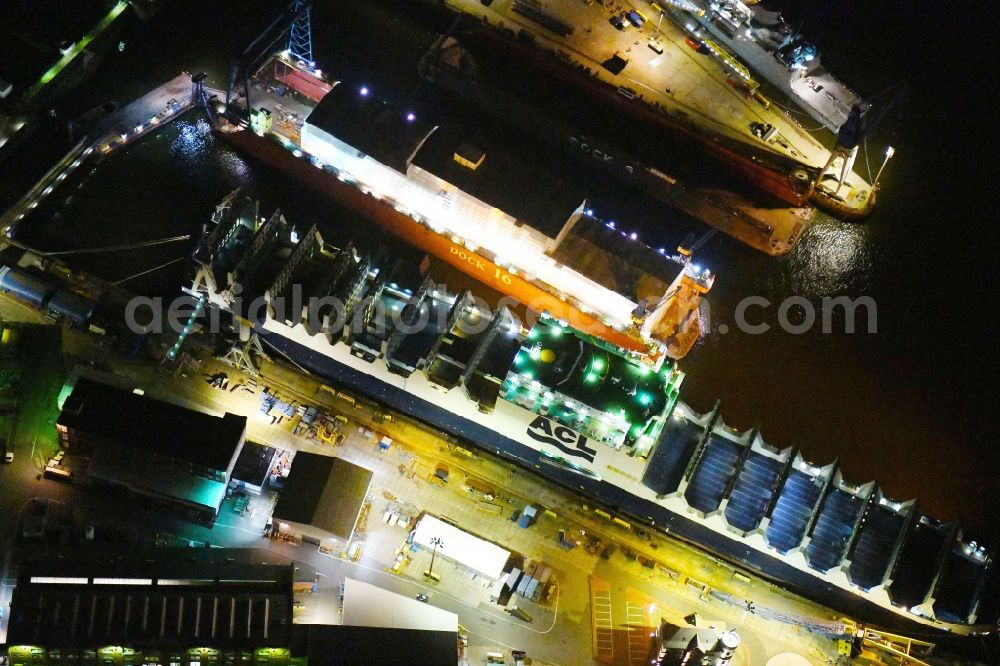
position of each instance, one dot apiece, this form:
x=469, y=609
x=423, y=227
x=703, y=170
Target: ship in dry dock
x=503, y=216
x=592, y=404
x=597, y=418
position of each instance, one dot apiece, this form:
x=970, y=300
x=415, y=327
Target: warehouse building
x=380, y=628
x=452, y=543
x=152, y=448
x=159, y=604
x=322, y=500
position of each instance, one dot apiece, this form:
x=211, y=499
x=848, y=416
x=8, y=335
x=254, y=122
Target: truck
x=58, y=473
x=518, y=656
x=520, y=614
x=564, y=541
x=528, y=516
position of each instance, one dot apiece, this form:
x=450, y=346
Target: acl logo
x=542, y=430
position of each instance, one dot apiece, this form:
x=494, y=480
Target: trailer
x=71, y=307
x=520, y=614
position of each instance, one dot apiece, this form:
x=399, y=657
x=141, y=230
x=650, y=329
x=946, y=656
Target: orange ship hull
x=409, y=230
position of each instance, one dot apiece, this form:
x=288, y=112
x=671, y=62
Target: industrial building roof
x=369, y=124
x=151, y=597
x=324, y=492
x=367, y=605
x=336, y=645
x=515, y=176
x=467, y=549
x=135, y=472
x=380, y=628
x=253, y=464
x=140, y=422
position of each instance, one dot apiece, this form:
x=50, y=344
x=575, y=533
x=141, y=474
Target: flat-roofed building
x=322, y=499
x=380, y=628
x=152, y=448
x=483, y=557
x=151, y=600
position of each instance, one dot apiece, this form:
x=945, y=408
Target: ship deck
x=681, y=82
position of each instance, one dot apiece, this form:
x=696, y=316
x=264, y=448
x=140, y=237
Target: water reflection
x=193, y=140
x=833, y=258
x=198, y=154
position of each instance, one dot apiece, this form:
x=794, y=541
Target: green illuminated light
x=597, y=365
x=77, y=48
x=591, y=378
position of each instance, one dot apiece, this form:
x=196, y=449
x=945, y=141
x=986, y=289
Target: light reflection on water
x=194, y=146
x=833, y=258
x=192, y=141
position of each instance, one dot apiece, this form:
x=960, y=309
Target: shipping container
x=72, y=307
x=25, y=286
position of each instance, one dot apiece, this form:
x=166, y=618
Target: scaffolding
x=300, y=37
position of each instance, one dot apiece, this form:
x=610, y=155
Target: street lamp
x=436, y=542
x=889, y=152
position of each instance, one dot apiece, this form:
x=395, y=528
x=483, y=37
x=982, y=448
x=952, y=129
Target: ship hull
x=407, y=229
x=504, y=433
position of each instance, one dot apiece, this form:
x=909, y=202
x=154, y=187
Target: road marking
x=638, y=633
x=603, y=626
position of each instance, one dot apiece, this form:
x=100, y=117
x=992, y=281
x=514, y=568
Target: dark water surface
x=911, y=405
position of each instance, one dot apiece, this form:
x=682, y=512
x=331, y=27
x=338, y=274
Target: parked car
x=635, y=18
x=618, y=21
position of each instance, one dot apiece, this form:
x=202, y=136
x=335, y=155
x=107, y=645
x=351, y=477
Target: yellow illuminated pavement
x=678, y=587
